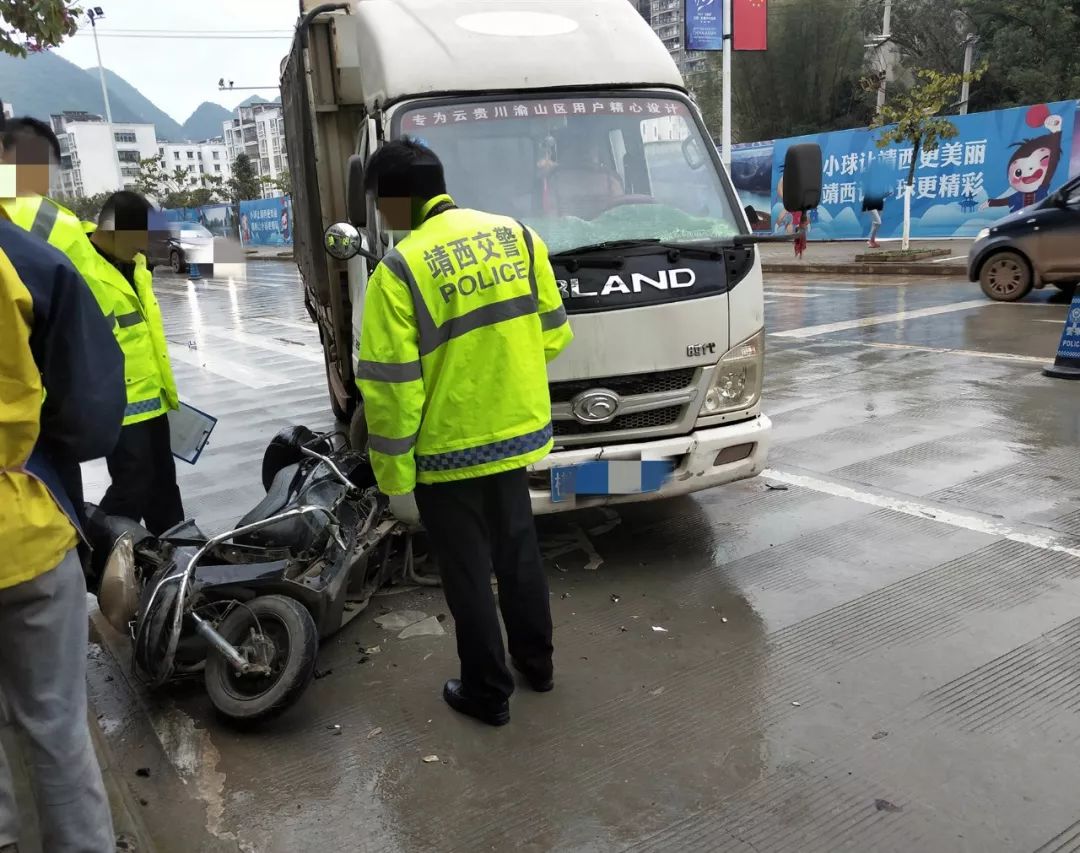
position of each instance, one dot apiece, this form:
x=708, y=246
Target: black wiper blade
x=608, y=245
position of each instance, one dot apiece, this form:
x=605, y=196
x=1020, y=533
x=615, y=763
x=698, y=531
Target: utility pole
x=725, y=120
x=95, y=13
x=883, y=41
x=965, y=87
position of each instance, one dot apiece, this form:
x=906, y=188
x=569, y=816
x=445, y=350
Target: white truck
x=571, y=117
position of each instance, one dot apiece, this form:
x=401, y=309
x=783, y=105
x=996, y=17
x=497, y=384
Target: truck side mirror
x=355, y=203
x=802, y=177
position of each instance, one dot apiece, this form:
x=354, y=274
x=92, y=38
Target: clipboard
x=189, y=431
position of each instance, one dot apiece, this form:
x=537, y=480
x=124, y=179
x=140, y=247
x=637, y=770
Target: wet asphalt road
x=881, y=651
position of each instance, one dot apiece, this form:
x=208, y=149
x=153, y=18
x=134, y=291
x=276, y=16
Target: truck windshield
x=581, y=171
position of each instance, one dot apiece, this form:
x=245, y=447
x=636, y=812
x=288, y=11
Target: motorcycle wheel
x=288, y=639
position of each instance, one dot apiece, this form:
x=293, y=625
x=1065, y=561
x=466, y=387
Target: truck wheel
x=358, y=431
x=269, y=628
x=1006, y=277
x=342, y=413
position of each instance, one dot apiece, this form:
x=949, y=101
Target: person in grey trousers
x=62, y=398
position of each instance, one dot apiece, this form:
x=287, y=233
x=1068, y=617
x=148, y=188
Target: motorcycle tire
x=295, y=640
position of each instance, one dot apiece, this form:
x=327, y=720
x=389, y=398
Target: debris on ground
x=659, y=630
x=364, y=658
x=796, y=704
x=879, y=735
x=656, y=692
x=442, y=617
x=430, y=627
x=622, y=629
x=371, y=650
x=615, y=598
x=396, y=620
x=565, y=595
x=334, y=729
x=431, y=759
x=143, y=772
x=723, y=619
x=773, y=488
x=886, y=806
x=322, y=673
x=375, y=732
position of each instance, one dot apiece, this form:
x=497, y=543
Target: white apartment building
x=258, y=130
x=209, y=158
x=87, y=163
x=668, y=19
x=9, y=112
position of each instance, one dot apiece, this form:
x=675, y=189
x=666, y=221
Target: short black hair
x=404, y=168
x=26, y=126
x=126, y=211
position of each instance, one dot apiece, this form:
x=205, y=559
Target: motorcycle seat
x=293, y=533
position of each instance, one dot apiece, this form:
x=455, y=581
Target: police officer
x=460, y=320
x=142, y=468
x=63, y=398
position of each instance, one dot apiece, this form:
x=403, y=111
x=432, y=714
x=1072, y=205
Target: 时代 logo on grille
x=595, y=407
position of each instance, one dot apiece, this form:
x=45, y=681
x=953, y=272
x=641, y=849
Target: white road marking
x=299, y=325
x=882, y=319
x=1005, y=356
x=1035, y=537
x=301, y=351
x=792, y=295
x=946, y=260
x=227, y=368
x=1055, y=322
x=773, y=285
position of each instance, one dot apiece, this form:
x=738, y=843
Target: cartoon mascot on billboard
x=1032, y=166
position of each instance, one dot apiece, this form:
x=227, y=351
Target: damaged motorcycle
x=246, y=608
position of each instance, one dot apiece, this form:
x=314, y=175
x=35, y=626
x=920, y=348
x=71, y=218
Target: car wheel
x=1006, y=277
x=176, y=263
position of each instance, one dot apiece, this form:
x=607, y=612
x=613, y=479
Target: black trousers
x=144, y=477
x=475, y=526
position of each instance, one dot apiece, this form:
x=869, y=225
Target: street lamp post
x=965, y=87
x=95, y=14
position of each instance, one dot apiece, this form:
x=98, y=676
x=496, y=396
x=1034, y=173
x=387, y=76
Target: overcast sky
x=179, y=74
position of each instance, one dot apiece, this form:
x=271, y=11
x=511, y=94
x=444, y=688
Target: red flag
x=749, y=24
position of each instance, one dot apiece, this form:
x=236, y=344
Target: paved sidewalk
x=839, y=257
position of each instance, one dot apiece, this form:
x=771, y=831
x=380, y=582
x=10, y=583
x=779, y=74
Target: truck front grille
x=639, y=420
x=625, y=386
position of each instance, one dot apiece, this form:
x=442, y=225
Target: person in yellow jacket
x=113, y=265
x=62, y=400
x=142, y=468
x=460, y=320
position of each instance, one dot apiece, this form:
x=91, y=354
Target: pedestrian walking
x=62, y=403
x=460, y=320
x=142, y=467
x=874, y=205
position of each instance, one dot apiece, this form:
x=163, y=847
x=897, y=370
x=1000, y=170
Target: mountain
x=43, y=84
x=206, y=121
x=146, y=110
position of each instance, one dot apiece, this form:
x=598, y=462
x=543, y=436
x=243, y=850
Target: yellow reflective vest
x=460, y=320
x=134, y=313
x=137, y=325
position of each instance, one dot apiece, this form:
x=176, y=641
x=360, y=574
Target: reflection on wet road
x=872, y=648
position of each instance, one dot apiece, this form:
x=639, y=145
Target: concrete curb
x=937, y=270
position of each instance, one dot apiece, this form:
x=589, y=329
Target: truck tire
x=1006, y=277
x=358, y=431
x=343, y=414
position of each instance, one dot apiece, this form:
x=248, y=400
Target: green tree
x=173, y=189
x=86, y=208
x=914, y=117
x=282, y=183
x=244, y=183
x=35, y=25
x=798, y=85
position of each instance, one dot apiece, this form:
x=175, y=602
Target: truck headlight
x=982, y=235
x=736, y=381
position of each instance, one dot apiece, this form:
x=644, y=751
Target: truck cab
x=570, y=117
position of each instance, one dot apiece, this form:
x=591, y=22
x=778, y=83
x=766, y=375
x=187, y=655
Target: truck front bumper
x=705, y=458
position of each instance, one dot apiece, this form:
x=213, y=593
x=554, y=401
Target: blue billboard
x=999, y=162
x=266, y=222
x=704, y=25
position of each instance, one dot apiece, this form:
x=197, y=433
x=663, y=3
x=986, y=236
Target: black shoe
x=494, y=714
x=540, y=683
